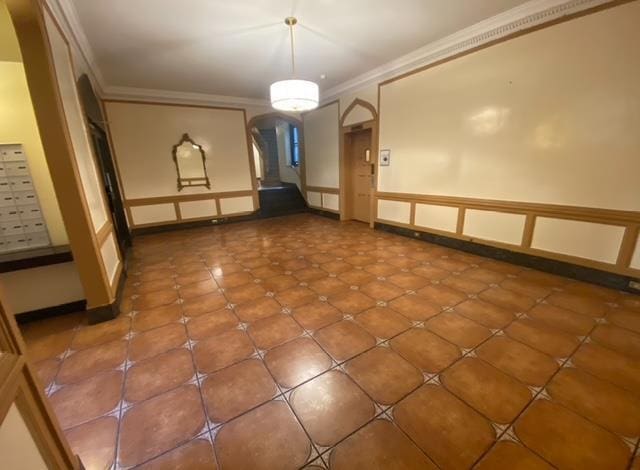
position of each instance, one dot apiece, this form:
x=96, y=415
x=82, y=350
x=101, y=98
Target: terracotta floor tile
x=88, y=362
x=360, y=260
x=297, y=361
x=507, y=299
x=485, y=313
x=508, y=454
x=609, y=365
x=203, y=304
x=160, y=424
x=384, y=375
x=447, y=430
x=101, y=333
x=414, y=307
x=94, y=442
x=375, y=446
x=155, y=299
x=83, y=401
x=225, y=349
x=601, y=402
x=316, y=315
x=266, y=272
x=164, y=283
x=236, y=389
x=464, y=284
x=234, y=279
x=309, y=274
x=328, y=286
x=631, y=302
x=156, y=341
x=336, y=267
x=266, y=438
x=542, y=278
x=382, y=322
x=295, y=264
x=245, y=293
x=625, y=319
x=351, y=302
x=526, y=287
x=591, y=290
x=537, y=335
x=562, y=319
x=222, y=270
x=425, y=350
x=356, y=277
x=50, y=346
x=568, y=441
x=442, y=295
x=619, y=339
x=47, y=370
x=330, y=407
x=458, y=330
x=408, y=281
x=403, y=262
x=296, y=297
x=148, y=319
x=501, y=267
x=593, y=307
x=211, y=324
x=159, y=374
x=382, y=290
x=194, y=455
x=344, y=339
x=450, y=264
x=518, y=360
x=280, y=283
x=257, y=309
x=382, y=269
x=189, y=267
x=431, y=272
x=186, y=279
x=495, y=394
x=484, y=275
x=60, y=324
x=273, y=331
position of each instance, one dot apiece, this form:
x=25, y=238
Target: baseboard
x=330, y=215
x=48, y=312
x=561, y=268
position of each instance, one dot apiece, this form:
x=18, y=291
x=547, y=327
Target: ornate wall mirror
x=190, y=164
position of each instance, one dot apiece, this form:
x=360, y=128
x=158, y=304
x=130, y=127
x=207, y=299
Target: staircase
x=281, y=200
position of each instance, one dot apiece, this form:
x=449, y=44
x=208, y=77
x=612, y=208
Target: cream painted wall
x=18, y=448
x=549, y=117
x=91, y=184
x=143, y=137
x=18, y=125
x=23, y=291
x=321, y=146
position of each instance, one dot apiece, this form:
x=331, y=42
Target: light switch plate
x=385, y=157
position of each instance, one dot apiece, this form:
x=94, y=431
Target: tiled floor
x=302, y=341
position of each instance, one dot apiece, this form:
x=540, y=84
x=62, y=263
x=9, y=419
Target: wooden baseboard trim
x=561, y=268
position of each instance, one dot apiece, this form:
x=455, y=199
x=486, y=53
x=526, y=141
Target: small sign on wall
x=385, y=157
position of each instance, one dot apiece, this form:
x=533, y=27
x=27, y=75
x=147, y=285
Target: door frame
x=372, y=124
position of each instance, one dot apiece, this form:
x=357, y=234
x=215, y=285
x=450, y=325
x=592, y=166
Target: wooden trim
x=218, y=207
x=460, y=222
x=355, y=103
x=527, y=233
x=532, y=211
x=628, y=246
x=176, y=207
x=172, y=103
x=103, y=233
x=150, y=201
x=252, y=163
x=321, y=189
x=412, y=213
x=556, y=211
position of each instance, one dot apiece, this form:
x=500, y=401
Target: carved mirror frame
x=189, y=182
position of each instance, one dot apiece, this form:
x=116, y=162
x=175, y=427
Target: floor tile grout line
x=116, y=457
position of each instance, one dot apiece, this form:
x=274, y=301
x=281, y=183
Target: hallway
x=303, y=341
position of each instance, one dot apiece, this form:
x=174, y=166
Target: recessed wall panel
x=437, y=217
x=395, y=211
x=495, y=226
x=314, y=198
x=588, y=240
x=153, y=214
x=234, y=205
x=331, y=201
x=110, y=257
x=197, y=209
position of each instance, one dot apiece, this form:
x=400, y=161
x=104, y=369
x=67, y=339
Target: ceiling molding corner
x=180, y=97
x=525, y=16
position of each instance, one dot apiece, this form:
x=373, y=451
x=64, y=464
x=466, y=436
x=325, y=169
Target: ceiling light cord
x=290, y=21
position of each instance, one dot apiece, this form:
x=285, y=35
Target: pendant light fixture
x=294, y=95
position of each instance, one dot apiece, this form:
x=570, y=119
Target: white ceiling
x=238, y=47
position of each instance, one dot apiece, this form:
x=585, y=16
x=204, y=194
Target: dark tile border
x=320, y=212
x=35, y=258
x=48, y=312
x=561, y=268
x=190, y=225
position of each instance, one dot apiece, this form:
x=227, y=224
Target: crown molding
x=166, y=96
x=525, y=16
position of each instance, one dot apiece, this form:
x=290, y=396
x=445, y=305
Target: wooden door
x=359, y=168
